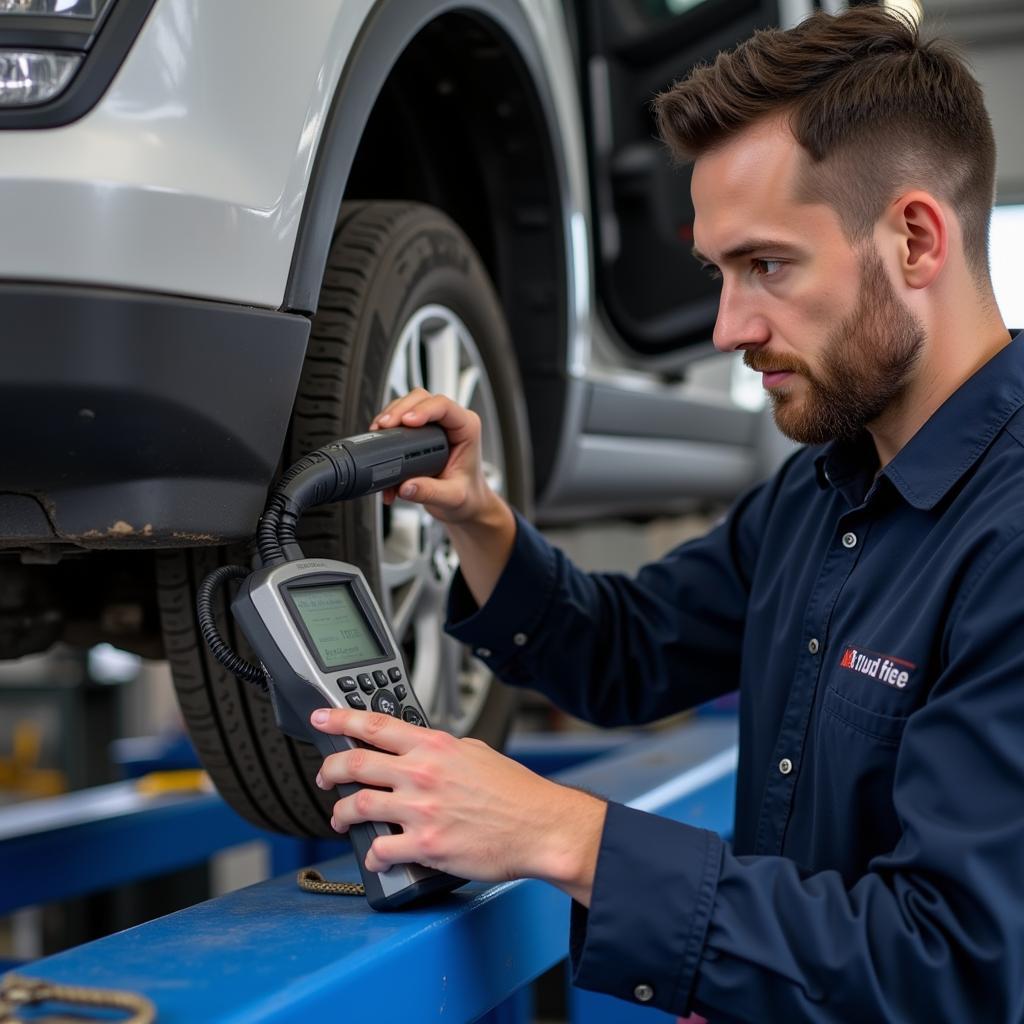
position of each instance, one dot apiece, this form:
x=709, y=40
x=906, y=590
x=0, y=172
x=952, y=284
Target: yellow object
x=20, y=773
x=186, y=780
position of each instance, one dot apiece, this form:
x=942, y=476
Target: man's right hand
x=481, y=525
x=460, y=493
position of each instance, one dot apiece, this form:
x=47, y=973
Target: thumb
x=429, y=490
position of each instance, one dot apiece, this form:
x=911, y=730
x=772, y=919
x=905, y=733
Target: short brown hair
x=877, y=110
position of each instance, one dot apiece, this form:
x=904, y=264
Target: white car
x=231, y=230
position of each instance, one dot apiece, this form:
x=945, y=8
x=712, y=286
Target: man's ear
x=916, y=224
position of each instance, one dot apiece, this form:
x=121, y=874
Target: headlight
x=46, y=49
x=49, y=8
x=34, y=76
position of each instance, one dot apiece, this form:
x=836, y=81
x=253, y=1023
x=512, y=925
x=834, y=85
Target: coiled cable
x=219, y=648
x=282, y=506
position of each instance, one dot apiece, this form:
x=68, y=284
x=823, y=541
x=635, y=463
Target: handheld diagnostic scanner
x=321, y=637
x=318, y=633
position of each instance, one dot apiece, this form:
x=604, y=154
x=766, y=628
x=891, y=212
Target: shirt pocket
x=886, y=729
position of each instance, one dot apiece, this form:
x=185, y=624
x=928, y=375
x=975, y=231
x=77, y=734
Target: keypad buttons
x=347, y=684
x=385, y=702
x=356, y=701
x=365, y=682
x=400, y=691
x=394, y=674
x=411, y=715
x=379, y=678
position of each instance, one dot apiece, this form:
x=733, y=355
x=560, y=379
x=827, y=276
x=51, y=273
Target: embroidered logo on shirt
x=892, y=671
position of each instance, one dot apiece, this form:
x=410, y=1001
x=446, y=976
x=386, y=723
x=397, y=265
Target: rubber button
x=365, y=683
x=356, y=701
x=400, y=691
x=379, y=678
x=394, y=674
x=384, y=700
x=347, y=684
x=410, y=714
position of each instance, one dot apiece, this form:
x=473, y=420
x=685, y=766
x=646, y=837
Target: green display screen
x=336, y=625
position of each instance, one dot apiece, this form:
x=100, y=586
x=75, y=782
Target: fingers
x=372, y=727
x=366, y=805
x=449, y=495
x=368, y=767
x=387, y=851
x=396, y=406
x=420, y=407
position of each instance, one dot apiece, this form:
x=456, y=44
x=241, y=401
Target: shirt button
x=785, y=766
x=483, y=652
x=813, y=646
x=644, y=993
x=849, y=540
x=519, y=639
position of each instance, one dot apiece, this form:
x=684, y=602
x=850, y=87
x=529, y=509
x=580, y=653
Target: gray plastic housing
x=300, y=683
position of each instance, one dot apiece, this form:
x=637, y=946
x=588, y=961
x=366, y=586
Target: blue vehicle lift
x=273, y=953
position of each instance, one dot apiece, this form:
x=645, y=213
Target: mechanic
x=867, y=600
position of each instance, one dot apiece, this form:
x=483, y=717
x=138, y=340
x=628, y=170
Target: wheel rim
x=435, y=351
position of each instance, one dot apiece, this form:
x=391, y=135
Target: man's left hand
x=463, y=807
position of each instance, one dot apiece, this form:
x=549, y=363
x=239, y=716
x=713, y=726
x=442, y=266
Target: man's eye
x=767, y=268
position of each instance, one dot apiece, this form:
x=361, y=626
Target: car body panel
x=189, y=179
x=199, y=173
x=186, y=178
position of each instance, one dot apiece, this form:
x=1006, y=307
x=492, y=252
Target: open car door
x=654, y=294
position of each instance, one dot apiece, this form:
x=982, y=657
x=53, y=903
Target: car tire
x=402, y=280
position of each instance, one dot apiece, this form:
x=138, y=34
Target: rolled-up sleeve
x=932, y=931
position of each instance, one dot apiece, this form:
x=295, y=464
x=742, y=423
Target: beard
x=866, y=366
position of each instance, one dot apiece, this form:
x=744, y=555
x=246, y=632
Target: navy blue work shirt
x=874, y=624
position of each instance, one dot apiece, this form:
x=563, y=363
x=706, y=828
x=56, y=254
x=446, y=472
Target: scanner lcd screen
x=336, y=625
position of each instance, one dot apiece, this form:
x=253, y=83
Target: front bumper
x=136, y=420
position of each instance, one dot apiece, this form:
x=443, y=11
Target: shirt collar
x=949, y=443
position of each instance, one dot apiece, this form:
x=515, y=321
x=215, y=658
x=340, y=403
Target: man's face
x=818, y=317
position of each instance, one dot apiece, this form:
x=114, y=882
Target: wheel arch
x=449, y=104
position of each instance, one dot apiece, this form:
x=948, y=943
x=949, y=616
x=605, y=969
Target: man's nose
x=739, y=324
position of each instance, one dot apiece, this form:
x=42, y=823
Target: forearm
x=484, y=545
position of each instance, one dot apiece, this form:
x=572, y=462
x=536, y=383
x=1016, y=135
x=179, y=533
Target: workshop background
x=93, y=748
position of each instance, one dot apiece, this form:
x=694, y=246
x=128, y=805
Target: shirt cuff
x=654, y=889
x=506, y=626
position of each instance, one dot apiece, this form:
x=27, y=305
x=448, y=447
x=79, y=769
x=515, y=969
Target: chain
x=16, y=992
x=311, y=880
